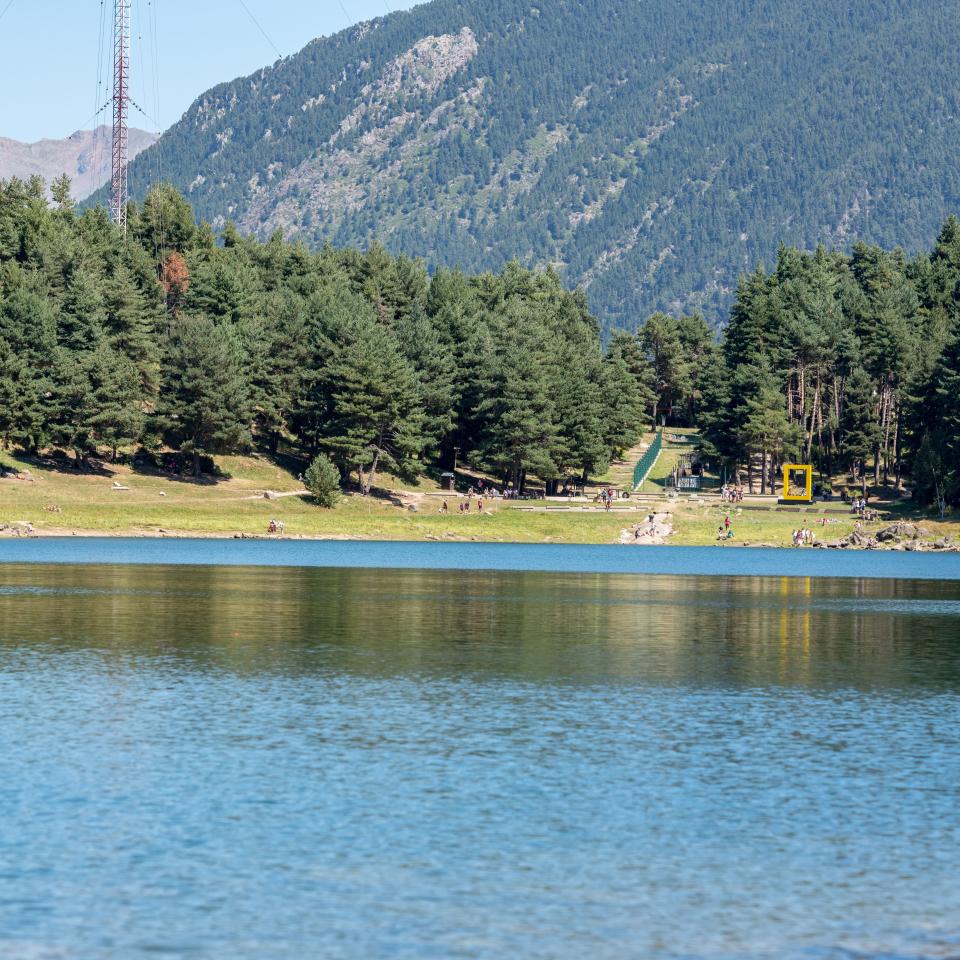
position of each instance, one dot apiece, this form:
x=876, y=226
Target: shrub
x=322, y=479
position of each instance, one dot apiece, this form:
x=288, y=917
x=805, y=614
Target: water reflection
x=243, y=763
x=571, y=627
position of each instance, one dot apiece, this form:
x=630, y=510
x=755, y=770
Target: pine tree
x=131, y=326
x=517, y=430
x=375, y=409
x=203, y=404
x=625, y=407
x=859, y=429
x=436, y=372
x=115, y=381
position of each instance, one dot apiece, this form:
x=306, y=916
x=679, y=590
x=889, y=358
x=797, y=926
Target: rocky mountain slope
x=650, y=150
x=84, y=156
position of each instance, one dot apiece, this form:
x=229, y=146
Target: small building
x=448, y=481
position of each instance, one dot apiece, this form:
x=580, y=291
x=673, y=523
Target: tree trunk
x=196, y=464
x=892, y=423
x=367, y=484
x=896, y=455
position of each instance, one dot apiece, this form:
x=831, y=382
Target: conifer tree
x=516, y=416
x=375, y=415
x=203, y=404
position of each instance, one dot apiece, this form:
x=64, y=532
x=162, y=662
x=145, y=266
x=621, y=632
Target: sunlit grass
x=235, y=505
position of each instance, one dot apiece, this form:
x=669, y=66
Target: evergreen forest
x=177, y=341
x=650, y=152
x=171, y=340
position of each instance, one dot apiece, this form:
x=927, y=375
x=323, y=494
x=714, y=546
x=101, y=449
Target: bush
x=322, y=479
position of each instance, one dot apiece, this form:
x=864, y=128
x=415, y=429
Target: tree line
x=172, y=338
x=849, y=361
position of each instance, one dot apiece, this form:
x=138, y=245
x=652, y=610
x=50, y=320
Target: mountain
x=84, y=156
x=650, y=151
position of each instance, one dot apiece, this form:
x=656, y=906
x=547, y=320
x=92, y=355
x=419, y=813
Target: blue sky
x=49, y=54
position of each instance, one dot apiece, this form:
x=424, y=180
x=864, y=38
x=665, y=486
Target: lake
x=241, y=750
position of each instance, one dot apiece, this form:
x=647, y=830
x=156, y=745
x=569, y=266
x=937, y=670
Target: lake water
x=204, y=760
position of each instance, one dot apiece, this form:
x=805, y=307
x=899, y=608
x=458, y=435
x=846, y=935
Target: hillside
x=649, y=151
x=84, y=156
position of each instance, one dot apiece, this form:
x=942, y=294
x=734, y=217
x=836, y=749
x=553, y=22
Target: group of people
x=464, y=505
x=607, y=496
x=646, y=530
x=803, y=537
x=730, y=493
x=276, y=526
x=725, y=530
x=860, y=508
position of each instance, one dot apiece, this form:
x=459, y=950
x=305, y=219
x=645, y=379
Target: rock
x=269, y=495
x=902, y=530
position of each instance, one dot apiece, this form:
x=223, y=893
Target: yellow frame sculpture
x=789, y=469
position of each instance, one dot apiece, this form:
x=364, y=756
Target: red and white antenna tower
x=121, y=106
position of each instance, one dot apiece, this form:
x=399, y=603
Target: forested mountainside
x=649, y=151
x=84, y=157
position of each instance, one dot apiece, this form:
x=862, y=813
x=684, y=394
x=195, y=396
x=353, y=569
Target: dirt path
x=649, y=533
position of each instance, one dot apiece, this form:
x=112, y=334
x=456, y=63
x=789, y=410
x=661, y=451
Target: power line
x=264, y=32
x=6, y=8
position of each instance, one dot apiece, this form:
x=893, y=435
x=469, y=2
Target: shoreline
x=656, y=534
x=47, y=504
x=427, y=558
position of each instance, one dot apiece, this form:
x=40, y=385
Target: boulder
x=900, y=531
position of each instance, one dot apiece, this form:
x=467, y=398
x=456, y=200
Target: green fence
x=646, y=462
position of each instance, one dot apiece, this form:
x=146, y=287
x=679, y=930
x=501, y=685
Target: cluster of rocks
x=17, y=528
x=11, y=473
x=654, y=530
x=902, y=535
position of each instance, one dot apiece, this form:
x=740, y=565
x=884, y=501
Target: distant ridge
x=84, y=157
x=650, y=150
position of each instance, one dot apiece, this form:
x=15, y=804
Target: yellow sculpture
x=798, y=482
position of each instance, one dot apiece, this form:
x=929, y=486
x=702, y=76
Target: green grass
x=619, y=474
x=236, y=505
x=696, y=524
x=672, y=451
x=88, y=504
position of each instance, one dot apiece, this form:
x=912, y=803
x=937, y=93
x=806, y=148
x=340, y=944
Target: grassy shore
x=64, y=502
